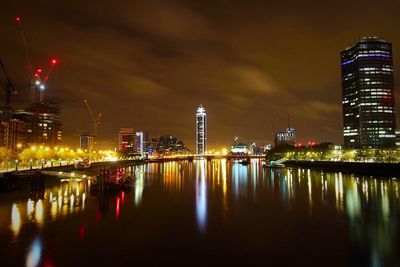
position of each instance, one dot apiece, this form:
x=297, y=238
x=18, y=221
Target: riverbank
x=362, y=168
x=30, y=179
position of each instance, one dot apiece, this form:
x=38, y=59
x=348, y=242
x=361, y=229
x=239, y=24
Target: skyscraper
x=141, y=143
x=201, y=131
x=369, y=118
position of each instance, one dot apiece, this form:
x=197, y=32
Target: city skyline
x=238, y=74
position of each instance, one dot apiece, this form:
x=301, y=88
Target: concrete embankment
x=361, y=168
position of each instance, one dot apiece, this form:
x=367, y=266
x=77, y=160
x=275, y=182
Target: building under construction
x=40, y=123
x=43, y=123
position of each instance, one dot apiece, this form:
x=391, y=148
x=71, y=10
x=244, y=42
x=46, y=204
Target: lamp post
x=16, y=165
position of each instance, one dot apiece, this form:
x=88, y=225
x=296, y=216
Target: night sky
x=149, y=64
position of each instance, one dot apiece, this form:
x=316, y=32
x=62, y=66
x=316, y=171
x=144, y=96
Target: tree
x=5, y=154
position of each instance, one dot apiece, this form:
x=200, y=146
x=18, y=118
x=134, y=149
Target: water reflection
x=15, y=220
x=139, y=183
x=50, y=203
x=239, y=179
x=201, y=194
x=34, y=254
x=364, y=210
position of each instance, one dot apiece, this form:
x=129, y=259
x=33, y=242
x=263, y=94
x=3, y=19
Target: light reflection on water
x=201, y=194
x=15, y=220
x=139, y=184
x=51, y=201
x=34, y=254
x=367, y=209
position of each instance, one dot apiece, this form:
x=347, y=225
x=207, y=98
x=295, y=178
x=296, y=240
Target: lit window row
x=374, y=122
x=374, y=51
x=350, y=134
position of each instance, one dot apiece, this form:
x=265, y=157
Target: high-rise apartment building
x=201, y=131
x=369, y=118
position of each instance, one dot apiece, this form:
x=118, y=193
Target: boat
x=274, y=164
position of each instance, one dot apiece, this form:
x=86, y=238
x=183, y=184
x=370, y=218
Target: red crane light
x=18, y=19
x=54, y=61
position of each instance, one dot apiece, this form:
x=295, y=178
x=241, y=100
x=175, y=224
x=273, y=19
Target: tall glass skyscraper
x=201, y=131
x=369, y=118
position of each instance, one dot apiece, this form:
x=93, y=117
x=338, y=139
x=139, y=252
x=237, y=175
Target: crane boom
x=23, y=36
x=27, y=55
x=9, y=85
x=96, y=121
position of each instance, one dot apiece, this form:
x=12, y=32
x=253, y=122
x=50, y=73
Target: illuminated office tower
x=369, y=118
x=201, y=131
x=141, y=143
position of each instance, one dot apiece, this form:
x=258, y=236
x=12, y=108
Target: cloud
x=140, y=86
x=317, y=110
x=253, y=79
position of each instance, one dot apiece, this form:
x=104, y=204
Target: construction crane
x=36, y=83
x=96, y=120
x=9, y=88
x=41, y=84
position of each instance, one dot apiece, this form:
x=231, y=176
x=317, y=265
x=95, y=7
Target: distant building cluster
x=132, y=143
x=239, y=147
x=167, y=145
x=288, y=136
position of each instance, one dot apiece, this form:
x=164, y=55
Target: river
x=207, y=213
